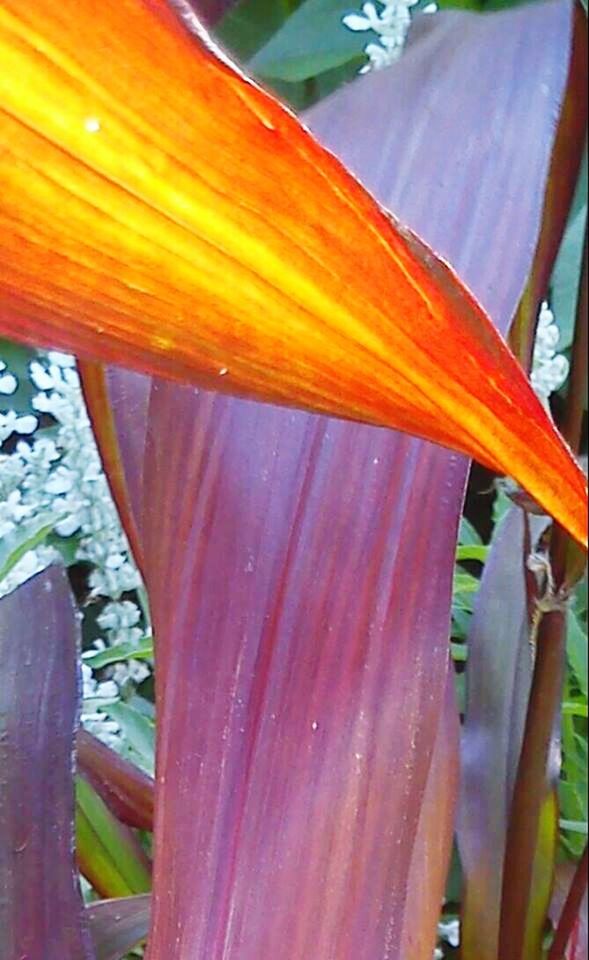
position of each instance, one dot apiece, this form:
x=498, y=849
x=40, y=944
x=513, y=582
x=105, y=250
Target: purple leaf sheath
x=41, y=913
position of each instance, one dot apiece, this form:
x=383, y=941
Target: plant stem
x=571, y=909
x=535, y=778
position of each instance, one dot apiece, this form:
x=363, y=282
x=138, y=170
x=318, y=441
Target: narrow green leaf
x=27, y=536
x=479, y=552
x=577, y=651
x=459, y=652
x=468, y=535
x=575, y=709
x=465, y=583
x=138, y=729
x=565, y=277
x=108, y=852
x=120, y=651
x=575, y=826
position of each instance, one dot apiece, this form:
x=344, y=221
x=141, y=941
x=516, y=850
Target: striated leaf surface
x=141, y=228
x=41, y=913
x=300, y=568
x=433, y=842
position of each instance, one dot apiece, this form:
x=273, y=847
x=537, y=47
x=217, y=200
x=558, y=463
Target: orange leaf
x=159, y=209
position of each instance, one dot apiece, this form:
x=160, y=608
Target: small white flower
x=450, y=932
x=390, y=22
x=355, y=22
x=11, y=422
x=58, y=359
x=118, y=616
x=61, y=481
x=132, y=671
x=41, y=377
x=8, y=382
x=549, y=368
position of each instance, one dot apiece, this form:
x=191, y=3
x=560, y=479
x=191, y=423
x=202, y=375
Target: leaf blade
x=298, y=307
x=41, y=911
x=118, y=925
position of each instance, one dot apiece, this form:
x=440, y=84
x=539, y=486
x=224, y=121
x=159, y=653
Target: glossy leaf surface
x=141, y=229
x=41, y=913
x=118, y=925
x=300, y=569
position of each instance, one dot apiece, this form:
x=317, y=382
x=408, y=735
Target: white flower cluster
x=62, y=474
x=449, y=931
x=57, y=474
x=390, y=23
x=549, y=368
x=94, y=696
x=11, y=422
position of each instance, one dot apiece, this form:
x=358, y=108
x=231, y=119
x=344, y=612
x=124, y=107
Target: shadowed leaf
x=126, y=789
x=300, y=568
x=118, y=925
x=40, y=904
x=143, y=231
x=499, y=673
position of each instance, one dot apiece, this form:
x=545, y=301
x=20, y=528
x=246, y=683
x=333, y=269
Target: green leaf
x=459, y=652
x=138, y=730
x=468, y=535
x=312, y=41
x=577, y=651
x=248, y=25
x=478, y=552
x=567, y=269
x=27, y=536
x=573, y=708
x=120, y=651
x=574, y=826
x=17, y=359
x=108, y=852
x=465, y=583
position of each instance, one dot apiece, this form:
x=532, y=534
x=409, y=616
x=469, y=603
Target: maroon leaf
x=126, y=789
x=499, y=676
x=118, y=925
x=41, y=916
x=300, y=568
